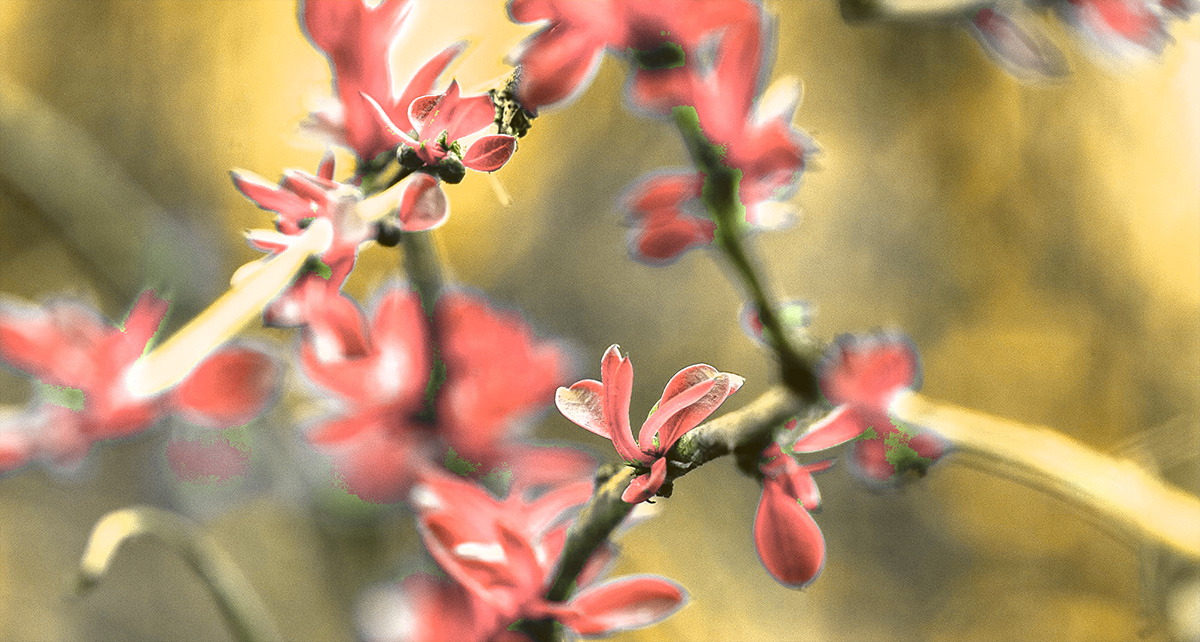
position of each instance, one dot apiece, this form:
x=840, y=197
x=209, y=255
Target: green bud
x=452, y=170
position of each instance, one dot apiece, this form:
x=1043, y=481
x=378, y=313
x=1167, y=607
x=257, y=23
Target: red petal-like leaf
x=267, y=195
x=616, y=373
x=490, y=153
x=789, y=542
x=424, y=205
x=724, y=385
x=836, y=428
x=471, y=114
x=558, y=63
x=621, y=605
x=668, y=411
x=228, y=388
x=869, y=370
x=423, y=81
x=644, y=486
x=1021, y=49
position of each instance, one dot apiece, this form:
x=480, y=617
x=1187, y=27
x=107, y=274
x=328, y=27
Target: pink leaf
x=836, y=428
x=423, y=81
x=325, y=168
x=583, y=403
x=423, y=206
x=621, y=605
x=490, y=153
x=661, y=238
x=394, y=134
x=1021, y=49
x=470, y=115
x=616, y=373
x=679, y=403
x=557, y=64
x=266, y=195
x=228, y=388
x=869, y=370
x=440, y=118
x=644, y=486
x=421, y=108
x=788, y=540
x=724, y=385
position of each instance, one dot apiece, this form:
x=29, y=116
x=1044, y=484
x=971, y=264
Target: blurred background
x=1040, y=243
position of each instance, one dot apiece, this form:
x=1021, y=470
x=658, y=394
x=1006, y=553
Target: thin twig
x=240, y=605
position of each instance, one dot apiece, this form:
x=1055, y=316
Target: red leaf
x=490, y=153
x=229, y=388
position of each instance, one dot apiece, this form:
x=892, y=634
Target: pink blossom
x=299, y=198
x=497, y=373
x=357, y=40
x=500, y=556
x=439, y=121
x=755, y=135
x=207, y=459
x=71, y=348
x=559, y=61
x=788, y=540
x=603, y=408
x=755, y=132
x=1121, y=29
x=863, y=376
x=661, y=228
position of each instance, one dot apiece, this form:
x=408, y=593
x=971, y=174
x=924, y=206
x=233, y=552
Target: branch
x=240, y=606
x=600, y=516
x=81, y=190
x=1118, y=490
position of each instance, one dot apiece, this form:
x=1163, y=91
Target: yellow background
x=1040, y=243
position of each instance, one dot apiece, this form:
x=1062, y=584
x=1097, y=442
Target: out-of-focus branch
x=1120, y=491
x=909, y=10
x=239, y=604
x=110, y=221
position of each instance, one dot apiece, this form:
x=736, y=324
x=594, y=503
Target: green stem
x=424, y=270
x=720, y=196
x=239, y=604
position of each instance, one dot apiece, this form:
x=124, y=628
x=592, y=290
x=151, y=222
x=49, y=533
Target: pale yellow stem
x=903, y=10
x=375, y=207
x=170, y=362
x=1117, y=489
x=239, y=604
